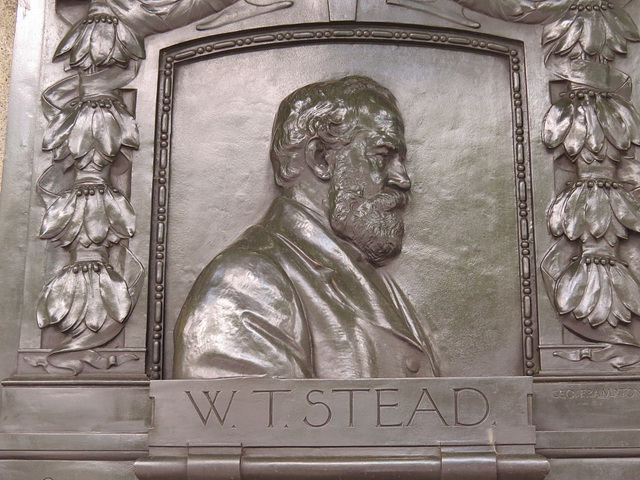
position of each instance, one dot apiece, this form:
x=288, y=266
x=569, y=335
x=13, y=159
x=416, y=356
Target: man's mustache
x=389, y=199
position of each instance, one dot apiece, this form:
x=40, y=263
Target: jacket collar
x=303, y=231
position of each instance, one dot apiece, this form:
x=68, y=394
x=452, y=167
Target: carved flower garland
x=591, y=29
x=91, y=131
x=603, y=122
x=101, y=40
x=84, y=296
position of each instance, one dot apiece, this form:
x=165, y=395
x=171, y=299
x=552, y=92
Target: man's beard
x=374, y=225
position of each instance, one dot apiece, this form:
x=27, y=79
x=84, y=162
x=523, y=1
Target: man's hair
x=328, y=111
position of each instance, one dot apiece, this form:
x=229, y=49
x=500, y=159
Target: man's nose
x=397, y=175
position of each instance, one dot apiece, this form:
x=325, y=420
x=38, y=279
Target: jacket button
x=412, y=364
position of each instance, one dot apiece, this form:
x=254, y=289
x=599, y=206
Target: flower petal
x=630, y=116
x=615, y=129
x=569, y=39
x=130, y=135
x=106, y=132
x=121, y=216
x=555, y=213
x=557, y=122
x=574, y=221
x=115, y=294
x=60, y=296
x=571, y=286
x=78, y=308
x=131, y=41
x=58, y=215
x=58, y=129
x=626, y=208
x=574, y=140
x=601, y=311
x=555, y=30
x=591, y=293
x=81, y=136
x=595, y=135
x=626, y=286
x=96, y=313
x=70, y=39
x=598, y=212
x=103, y=38
x=593, y=34
x=95, y=218
x=71, y=231
x=622, y=22
x=80, y=52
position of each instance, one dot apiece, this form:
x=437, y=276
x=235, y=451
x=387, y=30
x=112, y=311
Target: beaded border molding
x=372, y=33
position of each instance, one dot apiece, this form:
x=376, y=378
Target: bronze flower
x=84, y=295
x=89, y=214
x=101, y=40
x=603, y=122
x=596, y=208
x=591, y=29
x=91, y=130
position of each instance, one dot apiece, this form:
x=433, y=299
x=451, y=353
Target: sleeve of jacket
x=242, y=318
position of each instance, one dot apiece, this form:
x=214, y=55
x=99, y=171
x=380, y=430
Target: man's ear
x=315, y=154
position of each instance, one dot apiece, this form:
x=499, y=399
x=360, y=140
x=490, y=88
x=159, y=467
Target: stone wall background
x=7, y=23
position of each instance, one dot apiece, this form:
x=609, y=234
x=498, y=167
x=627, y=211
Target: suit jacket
x=289, y=299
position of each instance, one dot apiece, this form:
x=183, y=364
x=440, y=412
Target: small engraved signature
x=600, y=393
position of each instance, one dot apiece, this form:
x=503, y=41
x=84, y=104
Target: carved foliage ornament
x=91, y=134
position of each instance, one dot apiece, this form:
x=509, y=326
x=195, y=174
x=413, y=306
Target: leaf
x=106, y=132
x=121, y=216
x=96, y=313
x=574, y=140
x=569, y=39
x=555, y=30
x=630, y=116
x=619, y=311
x=69, y=234
x=70, y=39
x=602, y=309
x=626, y=208
x=58, y=129
x=598, y=212
x=78, y=308
x=626, y=287
x=591, y=294
x=83, y=46
x=615, y=41
x=58, y=215
x=555, y=214
x=557, y=122
x=115, y=295
x=571, y=286
x=42, y=317
x=132, y=42
x=60, y=295
x=96, y=223
x=622, y=22
x=130, y=135
x=103, y=38
x=593, y=34
x=81, y=136
x=574, y=220
x=615, y=129
x=595, y=135
x=120, y=54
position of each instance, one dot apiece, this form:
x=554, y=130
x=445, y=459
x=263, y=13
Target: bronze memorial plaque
x=323, y=239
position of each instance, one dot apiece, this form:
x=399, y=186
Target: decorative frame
x=92, y=127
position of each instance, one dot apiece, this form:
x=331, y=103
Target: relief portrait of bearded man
x=299, y=294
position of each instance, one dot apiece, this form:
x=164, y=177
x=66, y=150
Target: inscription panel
x=411, y=412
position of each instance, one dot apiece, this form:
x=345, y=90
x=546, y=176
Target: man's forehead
x=384, y=124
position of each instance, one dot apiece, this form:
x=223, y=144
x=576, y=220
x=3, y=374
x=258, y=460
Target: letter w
x=212, y=408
